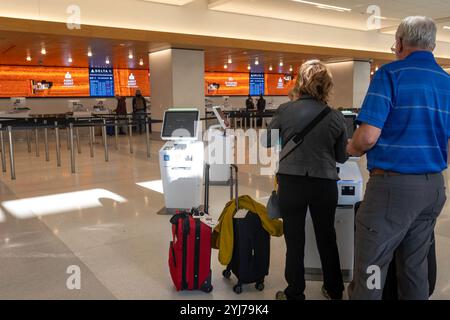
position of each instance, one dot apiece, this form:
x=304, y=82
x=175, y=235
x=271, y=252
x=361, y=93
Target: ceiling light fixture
x=248, y=67
x=141, y=62
x=225, y=66
x=130, y=56
x=281, y=63
x=324, y=6
x=270, y=68
x=256, y=62
x=28, y=58
x=107, y=60
x=291, y=69
x=70, y=60
x=89, y=54
x=43, y=51
x=447, y=27
x=229, y=60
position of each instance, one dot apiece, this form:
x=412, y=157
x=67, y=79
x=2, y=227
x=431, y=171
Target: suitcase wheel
x=226, y=274
x=207, y=289
x=259, y=286
x=237, y=289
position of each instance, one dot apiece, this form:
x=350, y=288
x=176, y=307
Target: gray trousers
x=398, y=214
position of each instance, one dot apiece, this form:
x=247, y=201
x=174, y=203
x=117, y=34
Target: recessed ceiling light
x=372, y=73
x=256, y=62
x=130, y=56
x=281, y=63
x=270, y=68
x=291, y=69
x=107, y=60
x=70, y=60
x=89, y=54
x=229, y=60
x=141, y=62
x=225, y=66
x=248, y=67
x=447, y=27
x=376, y=68
x=28, y=58
x=43, y=51
x=324, y=6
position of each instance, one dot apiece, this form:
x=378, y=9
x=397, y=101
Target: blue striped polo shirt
x=410, y=101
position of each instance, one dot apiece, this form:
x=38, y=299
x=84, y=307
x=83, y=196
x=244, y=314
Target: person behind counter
x=139, y=110
x=308, y=179
x=261, y=106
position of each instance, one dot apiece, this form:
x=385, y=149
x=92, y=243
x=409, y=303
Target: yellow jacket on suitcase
x=223, y=235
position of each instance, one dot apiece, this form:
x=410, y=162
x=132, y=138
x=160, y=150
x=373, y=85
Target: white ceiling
x=392, y=11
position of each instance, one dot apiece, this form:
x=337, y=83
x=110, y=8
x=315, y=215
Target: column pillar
x=177, y=81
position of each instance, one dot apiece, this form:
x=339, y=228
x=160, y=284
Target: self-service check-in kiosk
x=350, y=190
x=181, y=160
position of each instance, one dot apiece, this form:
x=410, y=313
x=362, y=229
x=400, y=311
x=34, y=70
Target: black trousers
x=297, y=194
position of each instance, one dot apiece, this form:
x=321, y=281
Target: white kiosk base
x=350, y=192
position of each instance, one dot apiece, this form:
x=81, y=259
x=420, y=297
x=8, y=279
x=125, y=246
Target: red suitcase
x=190, y=253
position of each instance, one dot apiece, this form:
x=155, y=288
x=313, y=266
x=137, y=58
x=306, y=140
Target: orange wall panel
x=126, y=86
x=276, y=85
x=17, y=81
x=230, y=84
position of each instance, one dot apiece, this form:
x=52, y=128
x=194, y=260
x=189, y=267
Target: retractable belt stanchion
x=130, y=134
x=72, y=151
x=147, y=136
x=47, y=156
x=27, y=131
x=58, y=145
x=36, y=138
x=2, y=142
x=105, y=140
x=68, y=137
x=11, y=154
x=116, y=133
x=91, y=140
x=78, y=140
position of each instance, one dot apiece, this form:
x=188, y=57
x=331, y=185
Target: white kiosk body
x=181, y=160
x=350, y=189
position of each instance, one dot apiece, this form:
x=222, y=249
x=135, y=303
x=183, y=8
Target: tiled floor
x=112, y=230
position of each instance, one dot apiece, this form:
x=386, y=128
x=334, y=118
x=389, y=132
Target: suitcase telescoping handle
x=234, y=184
x=234, y=192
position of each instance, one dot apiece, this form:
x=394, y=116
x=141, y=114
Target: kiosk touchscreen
x=181, y=160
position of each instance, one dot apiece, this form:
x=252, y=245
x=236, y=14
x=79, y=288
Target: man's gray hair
x=418, y=32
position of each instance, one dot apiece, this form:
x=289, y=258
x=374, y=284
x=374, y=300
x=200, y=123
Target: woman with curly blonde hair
x=308, y=179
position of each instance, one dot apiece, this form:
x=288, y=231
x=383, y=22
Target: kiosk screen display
x=180, y=124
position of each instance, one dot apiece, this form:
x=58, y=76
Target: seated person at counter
x=261, y=106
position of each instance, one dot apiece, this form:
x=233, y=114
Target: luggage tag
x=209, y=221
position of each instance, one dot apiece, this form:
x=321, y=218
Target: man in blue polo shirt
x=405, y=127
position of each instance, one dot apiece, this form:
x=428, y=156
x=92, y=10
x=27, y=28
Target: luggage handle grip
x=234, y=182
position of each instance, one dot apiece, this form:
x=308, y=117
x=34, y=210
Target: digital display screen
x=101, y=82
x=257, y=84
x=180, y=124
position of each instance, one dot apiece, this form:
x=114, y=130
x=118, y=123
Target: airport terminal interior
x=88, y=190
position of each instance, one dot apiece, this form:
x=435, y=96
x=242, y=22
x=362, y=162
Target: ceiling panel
x=391, y=12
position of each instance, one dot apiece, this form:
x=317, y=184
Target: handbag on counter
x=273, y=205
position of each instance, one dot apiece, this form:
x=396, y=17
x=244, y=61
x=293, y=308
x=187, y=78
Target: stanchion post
x=130, y=134
x=105, y=140
x=47, y=156
x=36, y=138
x=11, y=154
x=58, y=145
x=91, y=140
x=147, y=136
x=2, y=142
x=116, y=133
x=72, y=150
